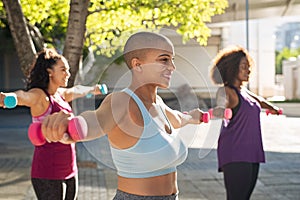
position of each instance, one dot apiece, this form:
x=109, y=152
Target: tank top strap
x=49, y=97
x=237, y=107
x=234, y=88
x=47, y=112
x=146, y=116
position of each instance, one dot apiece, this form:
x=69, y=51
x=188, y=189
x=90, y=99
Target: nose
x=249, y=70
x=68, y=73
x=172, y=66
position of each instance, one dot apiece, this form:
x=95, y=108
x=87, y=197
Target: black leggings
x=240, y=179
x=55, y=189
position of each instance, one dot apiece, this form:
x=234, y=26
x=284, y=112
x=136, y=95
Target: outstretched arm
x=264, y=103
x=86, y=126
x=225, y=100
x=78, y=91
x=29, y=98
x=179, y=119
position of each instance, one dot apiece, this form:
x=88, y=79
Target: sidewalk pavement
x=198, y=179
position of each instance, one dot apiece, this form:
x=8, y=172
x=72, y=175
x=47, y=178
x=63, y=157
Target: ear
x=136, y=64
x=49, y=71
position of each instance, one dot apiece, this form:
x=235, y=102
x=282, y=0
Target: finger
x=1, y=100
x=48, y=127
x=56, y=128
x=60, y=125
x=44, y=128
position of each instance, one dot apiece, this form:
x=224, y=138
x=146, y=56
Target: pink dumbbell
x=226, y=113
x=280, y=111
x=205, y=117
x=77, y=130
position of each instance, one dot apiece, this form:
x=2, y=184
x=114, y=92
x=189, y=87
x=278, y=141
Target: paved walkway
x=198, y=179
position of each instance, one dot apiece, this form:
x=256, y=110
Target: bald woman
x=140, y=127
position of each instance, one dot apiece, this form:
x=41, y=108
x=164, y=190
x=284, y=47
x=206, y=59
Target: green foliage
x=3, y=20
x=110, y=21
x=50, y=17
x=284, y=54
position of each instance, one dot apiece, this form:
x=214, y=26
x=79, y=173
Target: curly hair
x=226, y=64
x=39, y=76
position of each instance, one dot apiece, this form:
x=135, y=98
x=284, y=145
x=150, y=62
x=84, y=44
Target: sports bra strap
x=146, y=116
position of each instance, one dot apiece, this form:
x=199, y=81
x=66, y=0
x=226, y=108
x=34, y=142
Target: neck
x=52, y=90
x=238, y=85
x=145, y=93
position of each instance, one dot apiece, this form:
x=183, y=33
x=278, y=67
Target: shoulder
x=37, y=91
x=116, y=103
x=39, y=101
x=228, y=91
x=224, y=91
x=226, y=96
x=37, y=96
x=116, y=98
x=117, y=110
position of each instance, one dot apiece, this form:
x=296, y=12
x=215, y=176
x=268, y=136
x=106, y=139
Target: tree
x=20, y=33
x=75, y=36
x=103, y=25
x=42, y=22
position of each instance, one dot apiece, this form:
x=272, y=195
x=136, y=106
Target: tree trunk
x=75, y=37
x=20, y=33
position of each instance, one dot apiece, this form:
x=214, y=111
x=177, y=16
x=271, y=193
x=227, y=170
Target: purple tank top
x=54, y=160
x=240, y=139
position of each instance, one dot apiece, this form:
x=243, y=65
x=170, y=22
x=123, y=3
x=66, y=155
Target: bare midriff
x=153, y=186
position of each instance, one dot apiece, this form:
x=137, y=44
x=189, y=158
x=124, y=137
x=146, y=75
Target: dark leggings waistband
x=120, y=195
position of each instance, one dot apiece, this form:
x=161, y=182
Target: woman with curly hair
x=240, y=148
x=54, y=168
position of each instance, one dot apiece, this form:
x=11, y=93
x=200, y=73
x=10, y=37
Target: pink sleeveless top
x=54, y=160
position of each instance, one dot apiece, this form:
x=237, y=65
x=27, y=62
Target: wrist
x=98, y=89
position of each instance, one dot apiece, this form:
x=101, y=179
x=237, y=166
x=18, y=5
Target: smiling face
x=157, y=67
x=59, y=74
x=150, y=57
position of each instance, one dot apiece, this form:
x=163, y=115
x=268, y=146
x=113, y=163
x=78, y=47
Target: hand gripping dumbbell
x=279, y=112
x=77, y=131
x=102, y=88
x=10, y=100
x=220, y=113
x=205, y=117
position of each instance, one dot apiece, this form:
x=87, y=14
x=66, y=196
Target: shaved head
x=140, y=43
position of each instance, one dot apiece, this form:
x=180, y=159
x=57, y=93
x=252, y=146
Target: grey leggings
x=55, y=189
x=120, y=195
